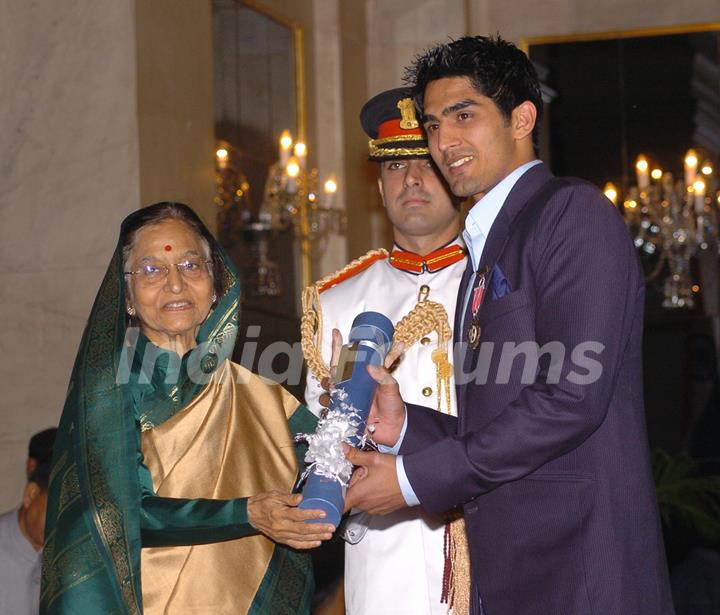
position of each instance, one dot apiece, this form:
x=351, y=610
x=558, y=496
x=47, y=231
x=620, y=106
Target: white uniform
x=397, y=567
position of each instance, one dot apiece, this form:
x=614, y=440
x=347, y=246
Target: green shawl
x=91, y=556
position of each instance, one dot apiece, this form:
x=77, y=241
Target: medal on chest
x=478, y=296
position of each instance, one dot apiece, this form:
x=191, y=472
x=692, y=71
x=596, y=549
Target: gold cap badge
x=407, y=110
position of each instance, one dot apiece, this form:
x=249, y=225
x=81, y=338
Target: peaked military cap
x=390, y=120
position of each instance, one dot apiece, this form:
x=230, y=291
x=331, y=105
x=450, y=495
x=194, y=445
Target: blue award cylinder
x=368, y=343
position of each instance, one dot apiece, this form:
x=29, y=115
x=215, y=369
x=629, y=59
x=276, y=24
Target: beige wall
x=89, y=134
x=399, y=30
x=68, y=175
x=526, y=18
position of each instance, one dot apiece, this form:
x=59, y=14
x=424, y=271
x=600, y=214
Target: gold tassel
x=443, y=373
x=461, y=579
x=425, y=317
x=311, y=330
x=456, y=575
x=311, y=322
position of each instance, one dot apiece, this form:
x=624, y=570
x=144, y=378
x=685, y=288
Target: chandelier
x=260, y=275
x=672, y=221
x=232, y=194
x=292, y=197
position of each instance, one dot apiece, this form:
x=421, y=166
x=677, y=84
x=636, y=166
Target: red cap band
x=391, y=128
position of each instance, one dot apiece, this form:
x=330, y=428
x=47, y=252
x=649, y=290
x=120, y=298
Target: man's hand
x=387, y=412
x=374, y=487
x=276, y=515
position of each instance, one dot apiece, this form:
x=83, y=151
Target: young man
x=549, y=455
x=21, y=539
x=394, y=564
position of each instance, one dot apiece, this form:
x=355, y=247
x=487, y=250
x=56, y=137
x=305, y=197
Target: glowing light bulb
x=330, y=186
x=641, y=168
x=300, y=149
x=611, y=192
x=285, y=140
x=293, y=168
x=691, y=163
x=699, y=188
x=285, y=145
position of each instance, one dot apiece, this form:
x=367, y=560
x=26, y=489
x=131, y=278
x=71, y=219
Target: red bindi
x=168, y=248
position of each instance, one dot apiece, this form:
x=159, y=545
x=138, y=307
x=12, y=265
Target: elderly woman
x=173, y=467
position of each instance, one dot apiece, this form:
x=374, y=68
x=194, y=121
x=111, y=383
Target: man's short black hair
x=41, y=475
x=41, y=445
x=496, y=68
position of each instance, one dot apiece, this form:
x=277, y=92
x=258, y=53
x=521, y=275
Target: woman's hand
x=277, y=516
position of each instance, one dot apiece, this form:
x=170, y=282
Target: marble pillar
x=68, y=174
x=96, y=120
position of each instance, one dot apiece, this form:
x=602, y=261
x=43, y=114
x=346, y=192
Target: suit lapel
x=523, y=190
x=462, y=290
x=458, y=334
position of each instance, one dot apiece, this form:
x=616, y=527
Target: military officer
x=394, y=565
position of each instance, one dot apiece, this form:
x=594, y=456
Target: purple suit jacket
x=550, y=459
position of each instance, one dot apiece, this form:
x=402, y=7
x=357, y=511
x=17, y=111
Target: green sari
x=96, y=504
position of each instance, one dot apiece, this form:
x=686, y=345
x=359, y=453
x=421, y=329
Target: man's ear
x=32, y=490
x=381, y=191
x=523, y=120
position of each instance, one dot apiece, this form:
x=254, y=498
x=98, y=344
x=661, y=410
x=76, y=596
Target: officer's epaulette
x=351, y=269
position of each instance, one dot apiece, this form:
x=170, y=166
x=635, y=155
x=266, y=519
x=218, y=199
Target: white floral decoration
x=325, y=453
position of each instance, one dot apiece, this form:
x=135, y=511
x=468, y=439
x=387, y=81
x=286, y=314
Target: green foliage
x=686, y=498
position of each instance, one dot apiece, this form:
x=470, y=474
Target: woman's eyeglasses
x=189, y=268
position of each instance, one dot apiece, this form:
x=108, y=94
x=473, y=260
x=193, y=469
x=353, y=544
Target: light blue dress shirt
x=20, y=566
x=477, y=227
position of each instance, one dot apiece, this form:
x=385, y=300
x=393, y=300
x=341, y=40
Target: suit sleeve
x=425, y=426
x=587, y=287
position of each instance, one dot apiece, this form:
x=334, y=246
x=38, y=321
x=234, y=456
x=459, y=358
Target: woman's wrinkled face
x=171, y=308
